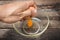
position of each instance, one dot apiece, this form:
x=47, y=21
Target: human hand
x=16, y=11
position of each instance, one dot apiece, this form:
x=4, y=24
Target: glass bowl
x=39, y=26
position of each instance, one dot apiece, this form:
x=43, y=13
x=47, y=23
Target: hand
x=16, y=11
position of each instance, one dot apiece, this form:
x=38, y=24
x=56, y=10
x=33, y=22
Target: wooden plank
x=2, y=32
x=52, y=32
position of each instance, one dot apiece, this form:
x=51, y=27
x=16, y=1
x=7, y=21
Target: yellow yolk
x=29, y=23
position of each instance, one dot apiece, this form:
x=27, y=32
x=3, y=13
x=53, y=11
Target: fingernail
x=35, y=11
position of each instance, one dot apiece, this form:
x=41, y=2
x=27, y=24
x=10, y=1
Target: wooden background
x=52, y=33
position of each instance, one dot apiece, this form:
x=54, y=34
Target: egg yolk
x=29, y=23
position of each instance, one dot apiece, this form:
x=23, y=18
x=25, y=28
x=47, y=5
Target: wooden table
x=52, y=33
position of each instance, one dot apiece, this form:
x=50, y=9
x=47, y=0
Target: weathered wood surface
x=51, y=33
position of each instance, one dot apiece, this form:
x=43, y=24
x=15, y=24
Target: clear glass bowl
x=39, y=26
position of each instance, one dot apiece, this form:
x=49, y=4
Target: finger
x=35, y=6
x=27, y=12
x=30, y=12
x=23, y=6
x=33, y=11
x=12, y=19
